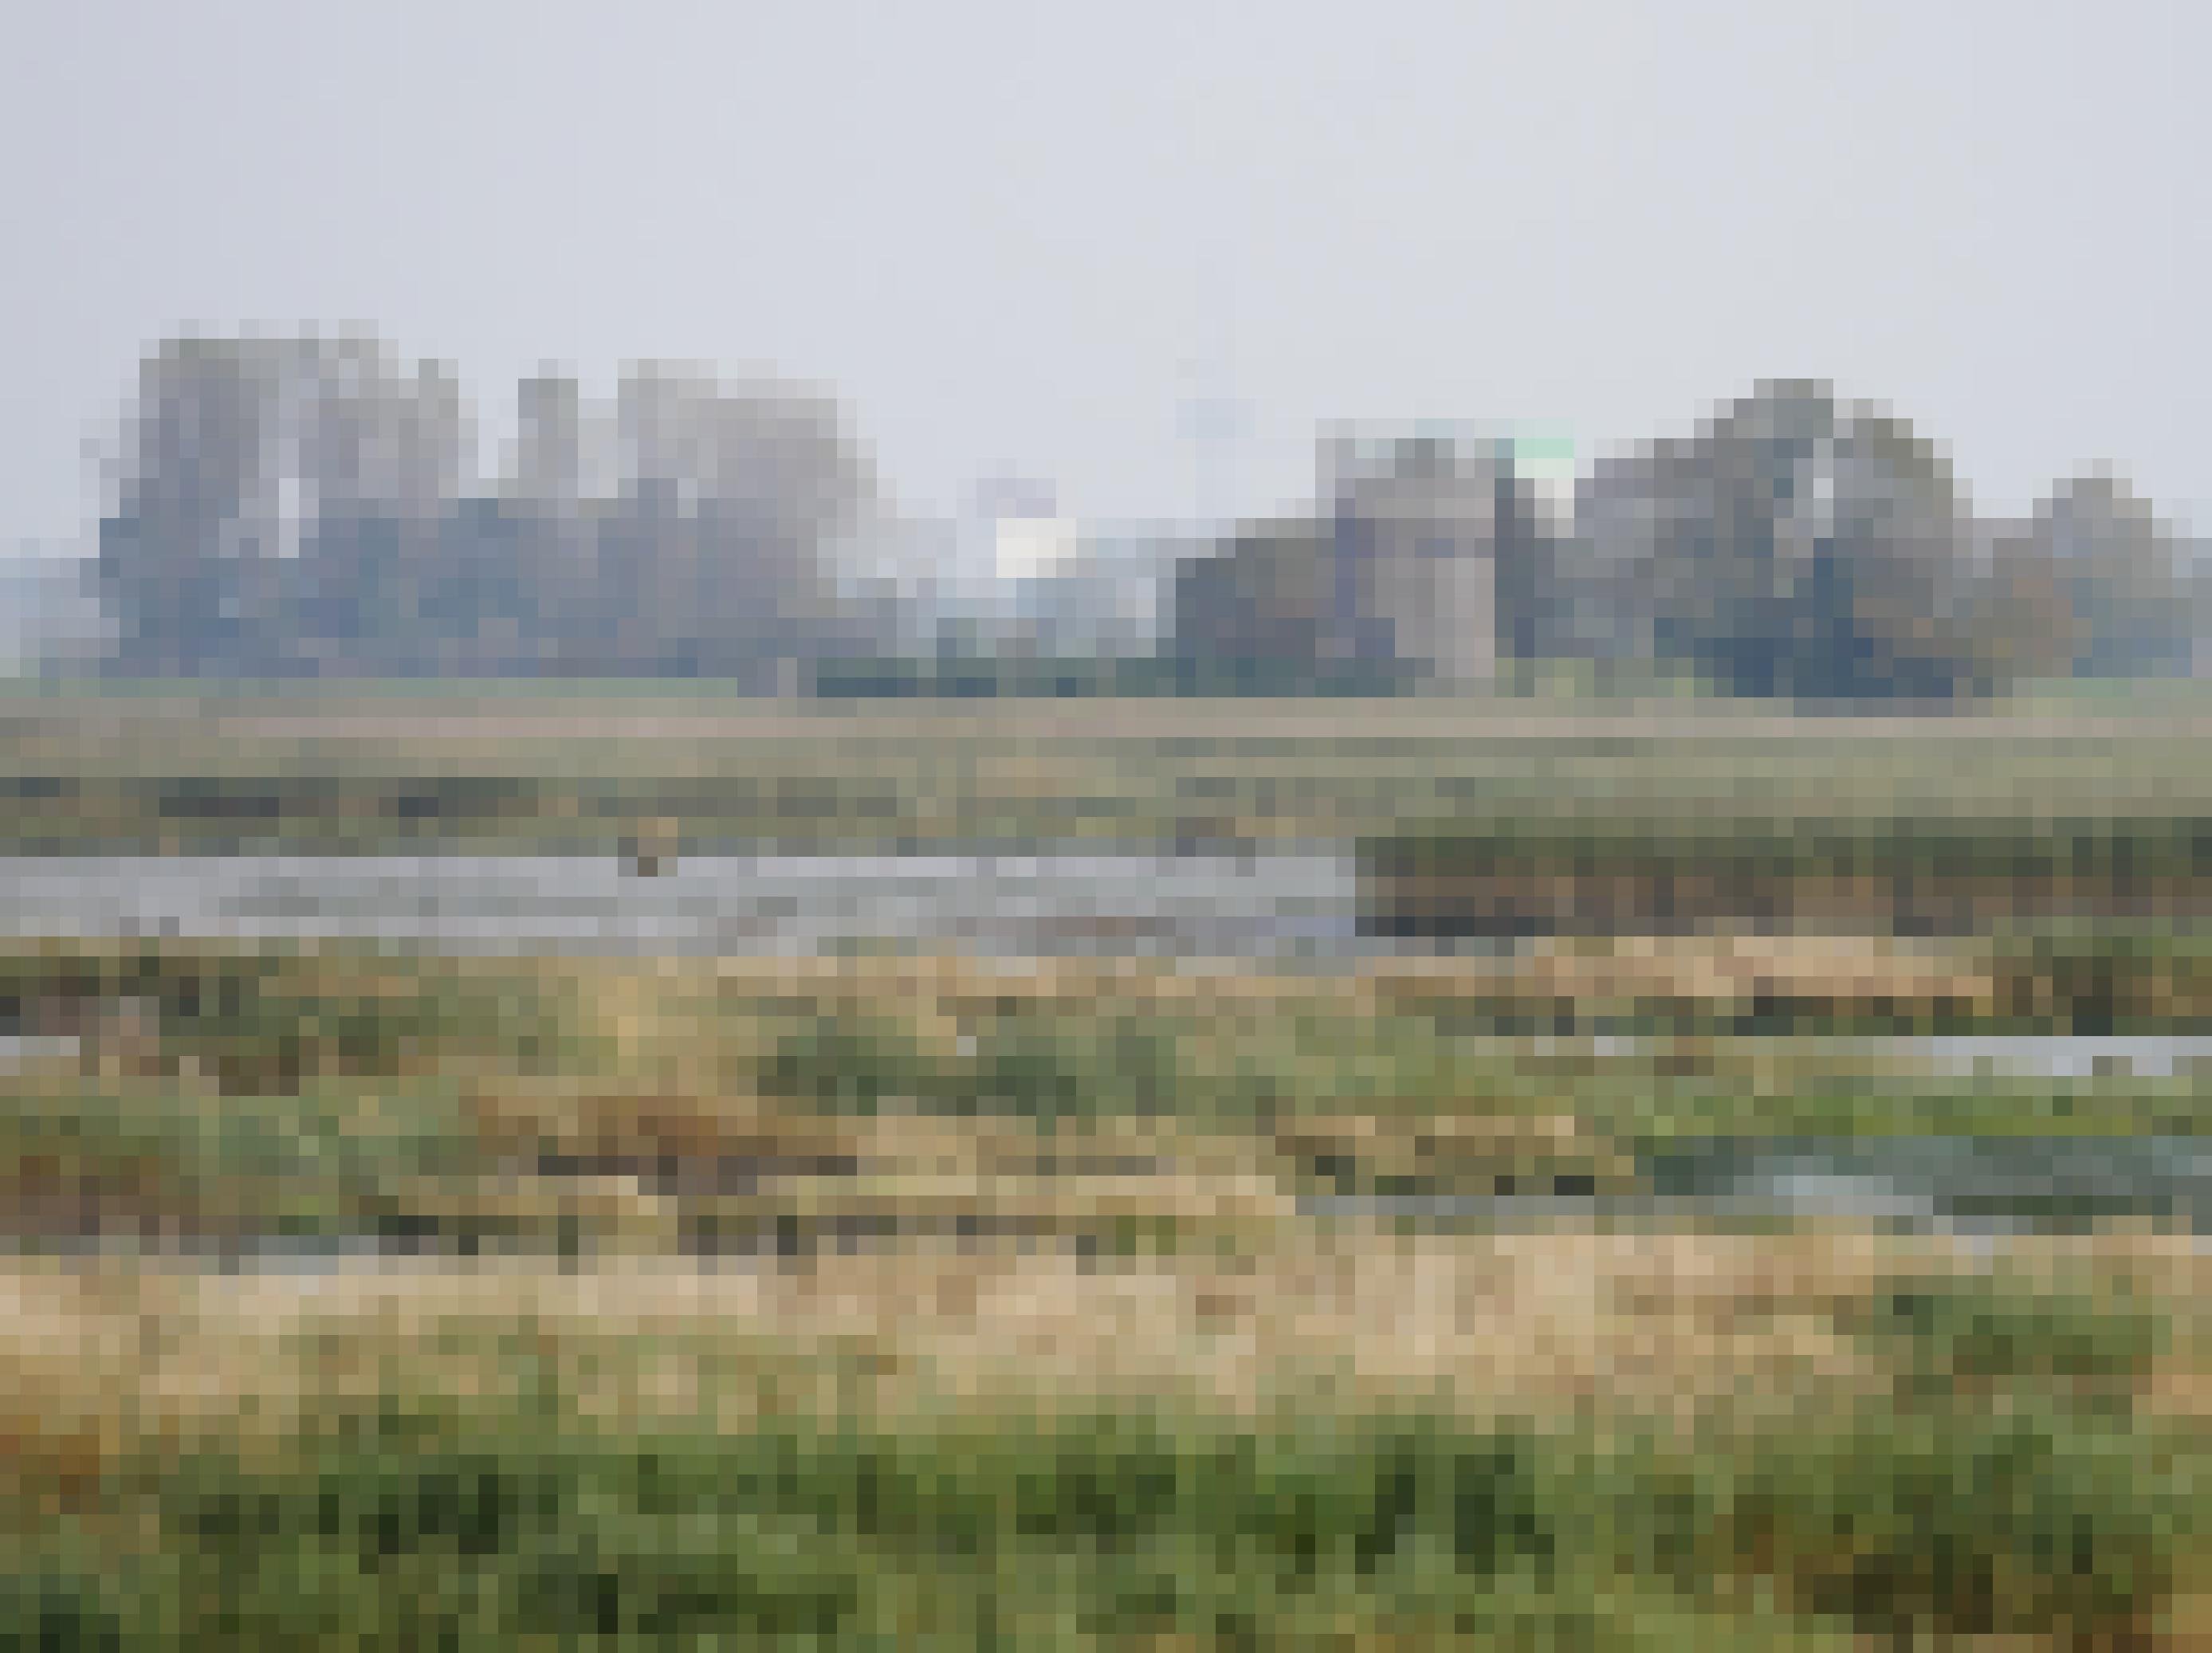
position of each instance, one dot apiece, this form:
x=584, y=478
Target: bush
x=1988, y=1329
x=2023, y=1521
x=1019, y=1065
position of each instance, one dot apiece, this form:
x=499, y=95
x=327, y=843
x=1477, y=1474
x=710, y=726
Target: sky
x=1025, y=238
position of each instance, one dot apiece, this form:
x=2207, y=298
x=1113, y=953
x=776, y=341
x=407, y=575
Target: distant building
x=1034, y=548
x=1412, y=532
x=1413, y=565
x=1099, y=591
x=1009, y=575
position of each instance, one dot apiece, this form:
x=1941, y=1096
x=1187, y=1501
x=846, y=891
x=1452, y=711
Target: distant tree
x=2122, y=568
x=305, y=504
x=1253, y=616
x=180, y=537
x=277, y=502
x=2020, y=619
x=1794, y=545
x=713, y=557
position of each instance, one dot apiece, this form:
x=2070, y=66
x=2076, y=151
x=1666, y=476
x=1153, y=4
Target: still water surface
x=1267, y=905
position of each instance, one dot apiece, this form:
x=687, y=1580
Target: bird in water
x=651, y=850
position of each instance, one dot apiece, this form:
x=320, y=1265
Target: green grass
x=1979, y=1331
x=334, y=1092
x=266, y=1018
x=327, y=1160
x=1670, y=1109
x=1042, y=1069
x=193, y=771
x=411, y=1527
x=1399, y=1067
x=2103, y=978
x=2025, y=1521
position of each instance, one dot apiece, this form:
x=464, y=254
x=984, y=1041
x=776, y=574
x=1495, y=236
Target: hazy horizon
x=1023, y=241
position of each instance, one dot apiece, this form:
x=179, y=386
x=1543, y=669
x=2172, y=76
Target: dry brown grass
x=633, y=1002
x=1664, y=1324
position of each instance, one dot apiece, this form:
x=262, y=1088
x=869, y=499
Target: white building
x=1105, y=593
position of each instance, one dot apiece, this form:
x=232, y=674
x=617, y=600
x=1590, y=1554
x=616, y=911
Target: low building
x=1410, y=567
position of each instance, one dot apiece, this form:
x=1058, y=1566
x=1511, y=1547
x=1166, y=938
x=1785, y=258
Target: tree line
x=307, y=505
x=311, y=505
x=1797, y=543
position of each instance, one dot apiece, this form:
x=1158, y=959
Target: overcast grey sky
x=1016, y=236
